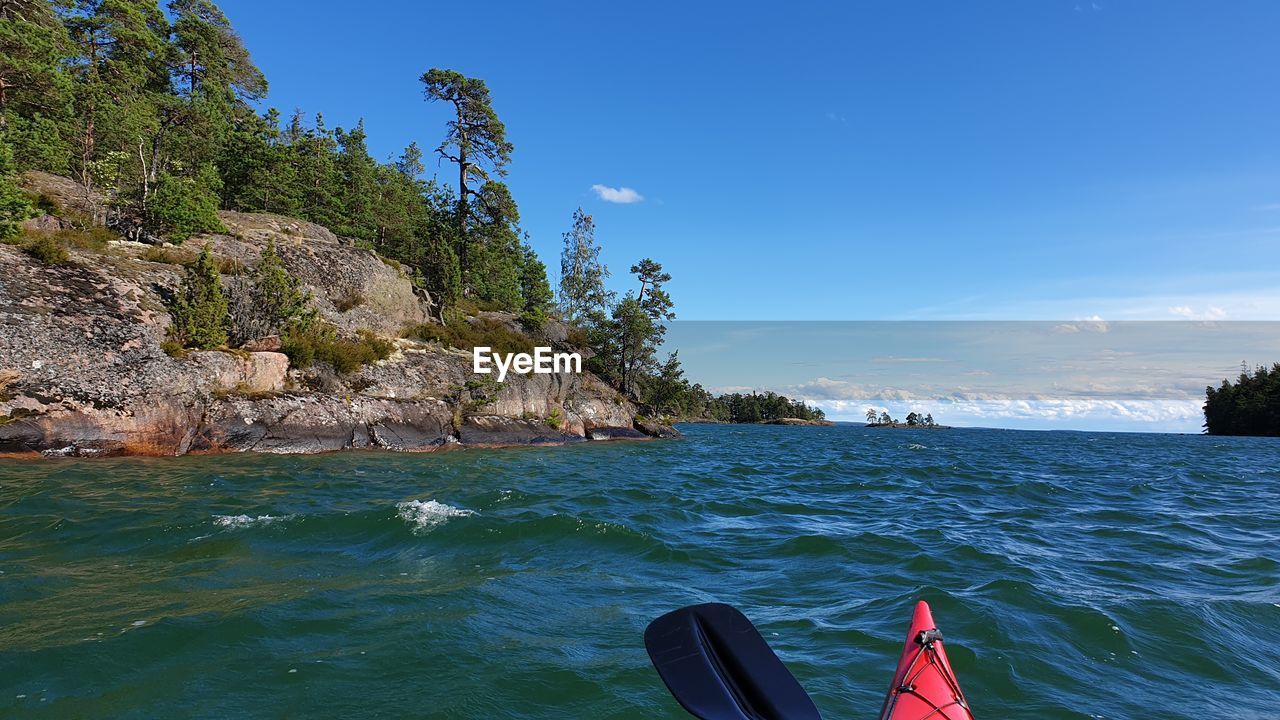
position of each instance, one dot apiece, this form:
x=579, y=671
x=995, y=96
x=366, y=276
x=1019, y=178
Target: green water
x=1074, y=575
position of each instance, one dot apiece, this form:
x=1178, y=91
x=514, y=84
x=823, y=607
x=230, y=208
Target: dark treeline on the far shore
x=1249, y=406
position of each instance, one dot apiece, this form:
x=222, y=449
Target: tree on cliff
x=211, y=79
x=209, y=58
x=150, y=109
x=1249, y=406
x=357, y=185
x=476, y=139
x=14, y=205
x=582, y=275
x=121, y=78
x=273, y=303
x=636, y=328
x=199, y=310
x=534, y=288
x=182, y=206
x=663, y=391
x=35, y=90
x=491, y=273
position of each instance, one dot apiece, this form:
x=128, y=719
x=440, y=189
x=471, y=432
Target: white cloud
x=1109, y=405
x=620, y=195
x=1211, y=312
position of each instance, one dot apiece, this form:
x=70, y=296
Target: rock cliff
x=82, y=370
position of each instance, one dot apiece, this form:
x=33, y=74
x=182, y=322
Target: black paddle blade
x=717, y=666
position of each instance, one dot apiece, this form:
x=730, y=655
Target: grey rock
x=655, y=429
x=615, y=433
x=82, y=371
x=495, y=430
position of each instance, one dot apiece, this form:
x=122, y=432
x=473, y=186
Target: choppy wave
x=1075, y=575
x=244, y=521
x=424, y=516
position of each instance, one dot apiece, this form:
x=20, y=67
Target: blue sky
x=891, y=160
x=1056, y=160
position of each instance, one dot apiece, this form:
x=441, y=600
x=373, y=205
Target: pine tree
x=313, y=154
x=184, y=206
x=476, y=142
x=14, y=204
x=1250, y=406
x=493, y=276
x=209, y=56
x=199, y=311
x=121, y=79
x=272, y=303
x=582, y=275
x=410, y=162
x=35, y=90
x=444, y=277
x=662, y=392
x=534, y=288
x=357, y=175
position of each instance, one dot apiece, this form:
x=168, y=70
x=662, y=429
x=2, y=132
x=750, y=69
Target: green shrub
x=271, y=302
x=231, y=266
x=320, y=343
x=173, y=348
x=578, y=338
x=555, y=419
x=479, y=391
x=480, y=332
x=48, y=250
x=168, y=255
x=300, y=344
x=199, y=311
x=95, y=237
x=184, y=206
x=15, y=205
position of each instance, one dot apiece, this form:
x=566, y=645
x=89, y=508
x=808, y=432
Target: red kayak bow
x=924, y=685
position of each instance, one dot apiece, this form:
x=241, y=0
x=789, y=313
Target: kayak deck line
x=924, y=686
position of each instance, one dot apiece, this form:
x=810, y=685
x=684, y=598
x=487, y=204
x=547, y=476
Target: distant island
x=692, y=404
x=914, y=420
x=1249, y=406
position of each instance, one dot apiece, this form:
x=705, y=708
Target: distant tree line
x=914, y=419
x=1249, y=406
x=679, y=399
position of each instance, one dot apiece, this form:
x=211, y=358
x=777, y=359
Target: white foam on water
x=428, y=515
x=243, y=521
x=917, y=446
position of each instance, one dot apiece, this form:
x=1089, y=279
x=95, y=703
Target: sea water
x=1074, y=575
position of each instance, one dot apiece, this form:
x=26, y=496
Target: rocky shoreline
x=82, y=371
